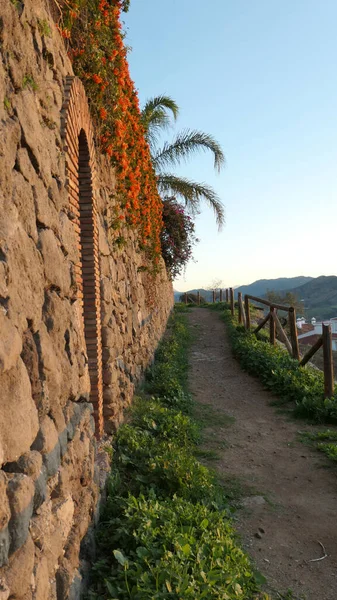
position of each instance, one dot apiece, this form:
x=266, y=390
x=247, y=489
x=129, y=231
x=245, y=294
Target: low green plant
x=167, y=376
x=44, y=27
x=207, y=416
x=29, y=82
x=289, y=595
x=220, y=306
x=47, y=122
x=324, y=441
x=165, y=532
x=147, y=461
x=120, y=242
x=303, y=386
x=172, y=549
x=181, y=307
x=7, y=104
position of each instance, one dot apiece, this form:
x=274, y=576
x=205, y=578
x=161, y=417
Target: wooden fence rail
x=277, y=328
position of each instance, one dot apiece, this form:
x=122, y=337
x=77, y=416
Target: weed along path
x=287, y=500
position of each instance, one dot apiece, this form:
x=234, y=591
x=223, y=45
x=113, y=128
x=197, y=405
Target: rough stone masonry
x=79, y=317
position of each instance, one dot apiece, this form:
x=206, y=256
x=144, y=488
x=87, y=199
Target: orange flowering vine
x=99, y=58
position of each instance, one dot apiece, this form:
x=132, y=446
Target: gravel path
x=292, y=502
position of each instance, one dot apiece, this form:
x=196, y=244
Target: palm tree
x=157, y=116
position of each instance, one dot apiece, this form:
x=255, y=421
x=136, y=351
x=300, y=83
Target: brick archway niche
x=78, y=138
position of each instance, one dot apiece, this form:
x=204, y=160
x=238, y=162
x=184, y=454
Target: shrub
x=177, y=236
x=165, y=532
x=169, y=549
x=282, y=375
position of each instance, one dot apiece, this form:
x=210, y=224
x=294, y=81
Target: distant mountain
x=319, y=297
x=319, y=294
x=261, y=287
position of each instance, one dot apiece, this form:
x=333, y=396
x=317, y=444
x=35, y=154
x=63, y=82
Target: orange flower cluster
x=100, y=60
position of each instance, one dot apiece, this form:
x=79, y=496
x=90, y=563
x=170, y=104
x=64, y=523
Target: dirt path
x=292, y=503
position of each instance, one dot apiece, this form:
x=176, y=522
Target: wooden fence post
x=227, y=295
x=293, y=333
x=220, y=295
x=231, y=293
x=185, y=298
x=242, y=315
x=328, y=362
x=240, y=307
x=213, y=296
x=198, y=298
x=247, y=310
x=282, y=334
x=272, y=327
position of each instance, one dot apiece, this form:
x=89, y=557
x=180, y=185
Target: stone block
x=47, y=442
x=30, y=357
x=10, y=133
x=41, y=580
x=68, y=238
x=63, y=513
x=47, y=437
x=20, y=493
x=33, y=135
x=106, y=289
x=40, y=494
x=4, y=590
x=23, y=198
x=56, y=267
x=18, y=428
x=18, y=573
x=30, y=463
x=10, y=343
x=4, y=547
x=25, y=276
x=3, y=280
x=110, y=374
x=52, y=460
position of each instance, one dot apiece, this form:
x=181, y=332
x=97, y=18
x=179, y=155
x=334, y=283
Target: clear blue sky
x=261, y=77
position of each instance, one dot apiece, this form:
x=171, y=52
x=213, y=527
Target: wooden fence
x=277, y=328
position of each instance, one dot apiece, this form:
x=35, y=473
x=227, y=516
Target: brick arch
x=78, y=137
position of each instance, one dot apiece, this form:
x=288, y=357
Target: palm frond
x=186, y=143
x=192, y=193
x=156, y=112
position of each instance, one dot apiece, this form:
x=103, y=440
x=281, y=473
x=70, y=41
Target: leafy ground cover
x=166, y=531
x=302, y=386
x=324, y=441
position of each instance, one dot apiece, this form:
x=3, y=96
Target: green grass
x=325, y=441
x=206, y=455
x=166, y=531
x=207, y=416
x=29, y=82
x=7, y=104
x=44, y=27
x=303, y=387
x=289, y=595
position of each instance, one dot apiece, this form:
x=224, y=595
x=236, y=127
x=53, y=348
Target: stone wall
x=80, y=316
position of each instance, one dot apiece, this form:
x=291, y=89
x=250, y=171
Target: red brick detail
x=78, y=138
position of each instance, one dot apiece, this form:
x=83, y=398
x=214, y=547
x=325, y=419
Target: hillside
x=260, y=287
x=319, y=296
